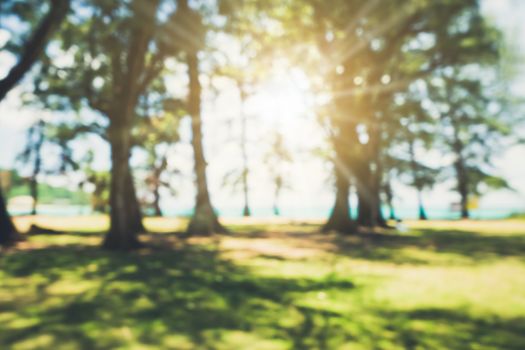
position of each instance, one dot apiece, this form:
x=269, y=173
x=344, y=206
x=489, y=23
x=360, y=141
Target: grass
x=273, y=285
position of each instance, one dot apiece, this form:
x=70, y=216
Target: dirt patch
x=284, y=245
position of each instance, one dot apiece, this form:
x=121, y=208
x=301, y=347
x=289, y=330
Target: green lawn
x=442, y=285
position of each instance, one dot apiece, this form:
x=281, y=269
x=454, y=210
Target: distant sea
x=287, y=212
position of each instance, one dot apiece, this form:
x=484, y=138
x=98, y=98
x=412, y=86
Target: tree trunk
x=462, y=188
x=276, y=194
x=204, y=220
x=246, y=210
x=156, y=201
x=135, y=211
x=390, y=199
x=422, y=212
x=123, y=233
x=340, y=219
x=245, y=171
x=373, y=177
x=344, y=140
x=418, y=182
x=392, y=214
x=377, y=214
x=33, y=189
x=8, y=231
x=461, y=174
x=365, y=200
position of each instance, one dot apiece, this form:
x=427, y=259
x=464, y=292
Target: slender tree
x=188, y=21
x=204, y=220
x=471, y=133
x=276, y=160
x=156, y=135
x=245, y=169
x=33, y=153
x=419, y=133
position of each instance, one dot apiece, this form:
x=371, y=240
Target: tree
x=204, y=220
x=422, y=177
x=155, y=135
x=246, y=62
x=417, y=131
x=29, y=54
x=33, y=152
x=276, y=160
x=471, y=132
x=241, y=85
x=389, y=194
x=189, y=32
x=369, y=56
x=118, y=51
x=245, y=75
x=96, y=182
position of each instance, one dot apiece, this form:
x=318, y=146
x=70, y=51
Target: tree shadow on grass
x=434, y=328
x=189, y=297
x=142, y=298
x=390, y=246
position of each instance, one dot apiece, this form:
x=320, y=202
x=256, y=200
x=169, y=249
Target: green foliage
x=51, y=194
x=156, y=136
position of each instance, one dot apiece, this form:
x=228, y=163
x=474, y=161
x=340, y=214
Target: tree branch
x=35, y=46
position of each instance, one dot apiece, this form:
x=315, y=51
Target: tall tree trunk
x=123, y=233
x=373, y=168
x=377, y=179
x=461, y=174
x=33, y=185
x=156, y=201
x=33, y=189
x=365, y=183
x=8, y=231
x=344, y=140
x=340, y=219
x=204, y=220
x=125, y=213
x=422, y=212
x=390, y=199
x=418, y=182
x=157, y=182
x=462, y=187
x=378, y=218
x=246, y=210
x=276, y=195
x=134, y=209
x=365, y=195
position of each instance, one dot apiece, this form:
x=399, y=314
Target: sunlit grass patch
x=482, y=227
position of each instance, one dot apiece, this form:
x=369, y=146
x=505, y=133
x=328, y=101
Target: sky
x=282, y=103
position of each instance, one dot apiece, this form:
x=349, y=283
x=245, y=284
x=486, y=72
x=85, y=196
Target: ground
x=267, y=285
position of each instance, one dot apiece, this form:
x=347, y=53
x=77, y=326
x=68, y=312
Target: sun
x=283, y=98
